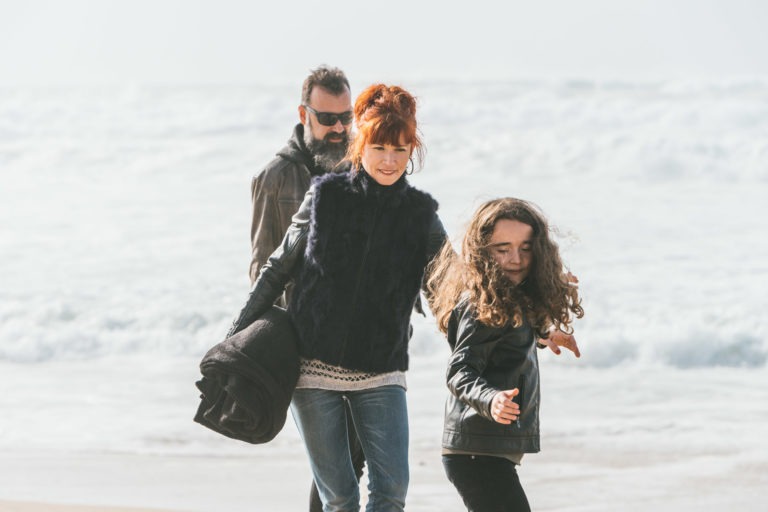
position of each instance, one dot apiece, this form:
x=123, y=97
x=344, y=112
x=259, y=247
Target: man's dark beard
x=326, y=154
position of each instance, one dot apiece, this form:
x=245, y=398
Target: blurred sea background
x=126, y=210
x=129, y=134
x=124, y=252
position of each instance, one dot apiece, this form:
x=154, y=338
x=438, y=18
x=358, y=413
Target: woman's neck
x=371, y=186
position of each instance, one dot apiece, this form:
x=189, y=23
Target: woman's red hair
x=385, y=114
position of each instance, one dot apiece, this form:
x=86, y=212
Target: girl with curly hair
x=505, y=290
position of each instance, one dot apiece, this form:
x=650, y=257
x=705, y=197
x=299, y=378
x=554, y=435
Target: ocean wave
x=125, y=219
x=65, y=332
x=69, y=331
x=738, y=350
x=713, y=350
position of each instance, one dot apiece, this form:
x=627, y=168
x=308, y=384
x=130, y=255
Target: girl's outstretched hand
x=503, y=409
x=557, y=339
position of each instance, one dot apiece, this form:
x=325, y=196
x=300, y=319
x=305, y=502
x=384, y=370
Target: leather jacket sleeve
x=279, y=268
x=471, y=353
x=437, y=237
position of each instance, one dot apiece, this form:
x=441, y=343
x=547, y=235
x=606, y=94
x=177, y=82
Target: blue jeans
x=380, y=417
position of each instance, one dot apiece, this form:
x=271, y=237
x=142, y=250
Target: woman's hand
x=503, y=409
x=558, y=338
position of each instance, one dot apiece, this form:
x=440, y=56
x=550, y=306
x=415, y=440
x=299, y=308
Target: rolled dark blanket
x=249, y=378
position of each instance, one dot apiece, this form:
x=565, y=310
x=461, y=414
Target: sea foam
x=125, y=211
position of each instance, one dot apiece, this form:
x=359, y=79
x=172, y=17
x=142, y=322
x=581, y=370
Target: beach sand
x=17, y=506
x=613, y=439
x=277, y=480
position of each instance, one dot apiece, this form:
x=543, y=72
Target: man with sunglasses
x=317, y=145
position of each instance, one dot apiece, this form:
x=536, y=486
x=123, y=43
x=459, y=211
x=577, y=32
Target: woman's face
x=385, y=163
x=511, y=247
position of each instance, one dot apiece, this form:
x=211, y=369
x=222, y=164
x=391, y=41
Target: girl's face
x=385, y=163
x=511, y=248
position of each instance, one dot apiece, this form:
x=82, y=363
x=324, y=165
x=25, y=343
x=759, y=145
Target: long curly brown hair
x=545, y=298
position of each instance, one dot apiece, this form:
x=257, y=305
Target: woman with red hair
x=357, y=251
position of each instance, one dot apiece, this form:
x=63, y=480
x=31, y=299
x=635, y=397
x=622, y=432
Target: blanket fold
x=249, y=378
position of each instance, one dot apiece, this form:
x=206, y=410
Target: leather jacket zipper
x=520, y=398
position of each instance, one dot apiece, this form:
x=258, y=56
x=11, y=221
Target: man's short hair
x=332, y=80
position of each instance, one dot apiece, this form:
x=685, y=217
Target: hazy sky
x=239, y=41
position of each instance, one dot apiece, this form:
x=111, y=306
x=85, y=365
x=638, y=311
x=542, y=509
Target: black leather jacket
x=487, y=360
x=284, y=264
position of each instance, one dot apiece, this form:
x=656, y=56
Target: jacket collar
x=296, y=151
x=370, y=186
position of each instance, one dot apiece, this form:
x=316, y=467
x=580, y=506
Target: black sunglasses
x=329, y=119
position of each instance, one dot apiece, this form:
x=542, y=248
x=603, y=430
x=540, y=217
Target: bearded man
x=317, y=146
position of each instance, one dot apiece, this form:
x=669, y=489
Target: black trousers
x=486, y=483
x=358, y=461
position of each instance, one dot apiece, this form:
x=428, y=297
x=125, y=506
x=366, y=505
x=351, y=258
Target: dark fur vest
x=363, y=267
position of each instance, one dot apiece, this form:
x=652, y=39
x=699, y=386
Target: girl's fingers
x=504, y=410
